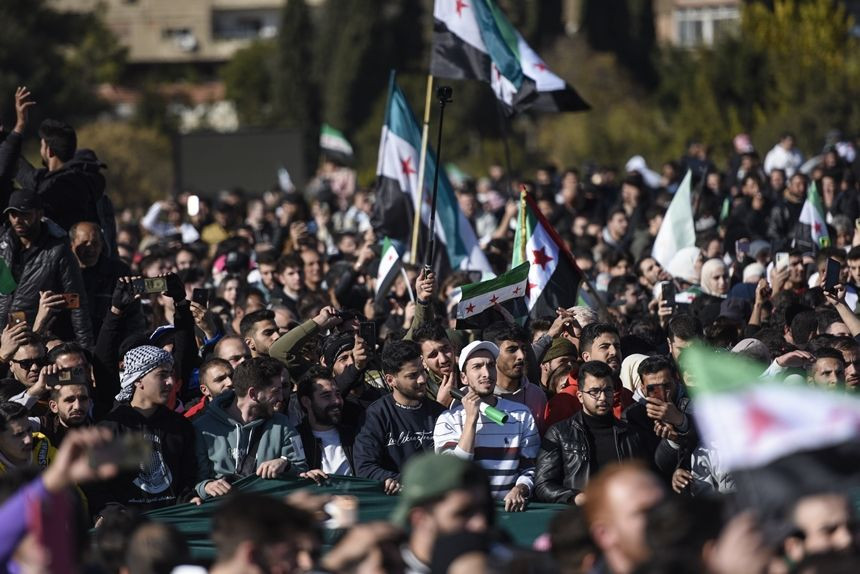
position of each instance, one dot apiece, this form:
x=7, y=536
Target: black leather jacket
x=564, y=462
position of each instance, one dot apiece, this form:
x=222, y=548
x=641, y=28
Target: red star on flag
x=460, y=6
x=494, y=299
x=390, y=258
x=541, y=258
x=470, y=308
x=760, y=421
x=541, y=67
x=517, y=290
x=816, y=227
x=406, y=166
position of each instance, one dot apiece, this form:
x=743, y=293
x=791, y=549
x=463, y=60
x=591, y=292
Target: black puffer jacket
x=564, y=462
x=51, y=266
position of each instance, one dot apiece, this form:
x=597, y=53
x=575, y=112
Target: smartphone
x=149, y=285
x=781, y=260
x=831, y=275
x=129, y=451
x=73, y=376
x=200, y=295
x=656, y=392
x=367, y=331
x=73, y=300
x=742, y=247
x=667, y=292
x=192, y=204
x=16, y=317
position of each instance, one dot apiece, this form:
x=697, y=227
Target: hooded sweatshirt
x=224, y=443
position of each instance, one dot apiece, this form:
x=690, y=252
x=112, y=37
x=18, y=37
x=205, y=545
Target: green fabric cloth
x=194, y=521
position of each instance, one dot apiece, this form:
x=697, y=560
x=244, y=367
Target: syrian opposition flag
x=778, y=439
x=473, y=40
x=553, y=276
x=389, y=267
x=476, y=308
x=397, y=191
x=334, y=144
x=676, y=231
x=812, y=226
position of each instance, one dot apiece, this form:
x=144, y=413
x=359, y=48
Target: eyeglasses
x=595, y=393
x=28, y=364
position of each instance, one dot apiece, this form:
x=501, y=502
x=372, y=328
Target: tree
x=293, y=88
x=60, y=56
x=248, y=79
x=140, y=170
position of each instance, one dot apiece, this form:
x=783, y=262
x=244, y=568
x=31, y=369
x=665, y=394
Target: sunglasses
x=28, y=364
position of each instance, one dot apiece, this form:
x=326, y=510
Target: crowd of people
x=155, y=356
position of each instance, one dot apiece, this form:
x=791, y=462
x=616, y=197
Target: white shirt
x=334, y=459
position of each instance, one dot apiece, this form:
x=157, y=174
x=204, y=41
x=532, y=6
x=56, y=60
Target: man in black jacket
x=100, y=271
x=169, y=476
x=327, y=442
x=659, y=415
x=574, y=450
x=38, y=255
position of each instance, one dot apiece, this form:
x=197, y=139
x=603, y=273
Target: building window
x=244, y=24
x=703, y=26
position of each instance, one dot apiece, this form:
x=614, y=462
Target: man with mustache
x=598, y=342
x=512, y=383
x=241, y=433
x=507, y=452
x=326, y=440
x=575, y=449
x=37, y=253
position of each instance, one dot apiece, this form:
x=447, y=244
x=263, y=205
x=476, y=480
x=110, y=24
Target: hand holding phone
x=200, y=296
x=831, y=275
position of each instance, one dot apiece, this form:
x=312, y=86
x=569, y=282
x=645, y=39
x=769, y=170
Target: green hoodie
x=222, y=441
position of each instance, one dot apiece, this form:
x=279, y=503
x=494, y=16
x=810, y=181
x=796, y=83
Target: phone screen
x=667, y=292
x=831, y=277
x=200, y=296
x=367, y=331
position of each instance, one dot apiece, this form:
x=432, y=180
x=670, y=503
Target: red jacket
x=565, y=403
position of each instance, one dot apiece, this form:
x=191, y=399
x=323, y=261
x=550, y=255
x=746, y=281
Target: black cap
x=24, y=200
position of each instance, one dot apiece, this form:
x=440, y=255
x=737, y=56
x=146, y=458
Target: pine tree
x=294, y=91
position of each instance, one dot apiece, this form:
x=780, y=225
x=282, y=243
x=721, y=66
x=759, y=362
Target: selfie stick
x=443, y=94
x=492, y=413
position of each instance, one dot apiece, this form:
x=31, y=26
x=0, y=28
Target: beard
x=329, y=416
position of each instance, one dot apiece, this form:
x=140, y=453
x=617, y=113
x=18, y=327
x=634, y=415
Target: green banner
x=194, y=521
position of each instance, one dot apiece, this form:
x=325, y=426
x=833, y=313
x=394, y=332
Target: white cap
x=473, y=348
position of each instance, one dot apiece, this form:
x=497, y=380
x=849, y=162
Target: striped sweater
x=506, y=452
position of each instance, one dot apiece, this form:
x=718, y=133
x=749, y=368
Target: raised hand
x=22, y=105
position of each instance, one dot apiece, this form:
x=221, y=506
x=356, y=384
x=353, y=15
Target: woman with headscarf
x=715, y=287
x=630, y=372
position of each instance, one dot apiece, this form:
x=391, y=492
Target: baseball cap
x=23, y=200
x=473, y=348
x=427, y=476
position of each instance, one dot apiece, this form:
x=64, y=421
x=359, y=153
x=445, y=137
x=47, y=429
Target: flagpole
x=422, y=162
x=443, y=95
x=521, y=226
x=503, y=126
x=408, y=286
